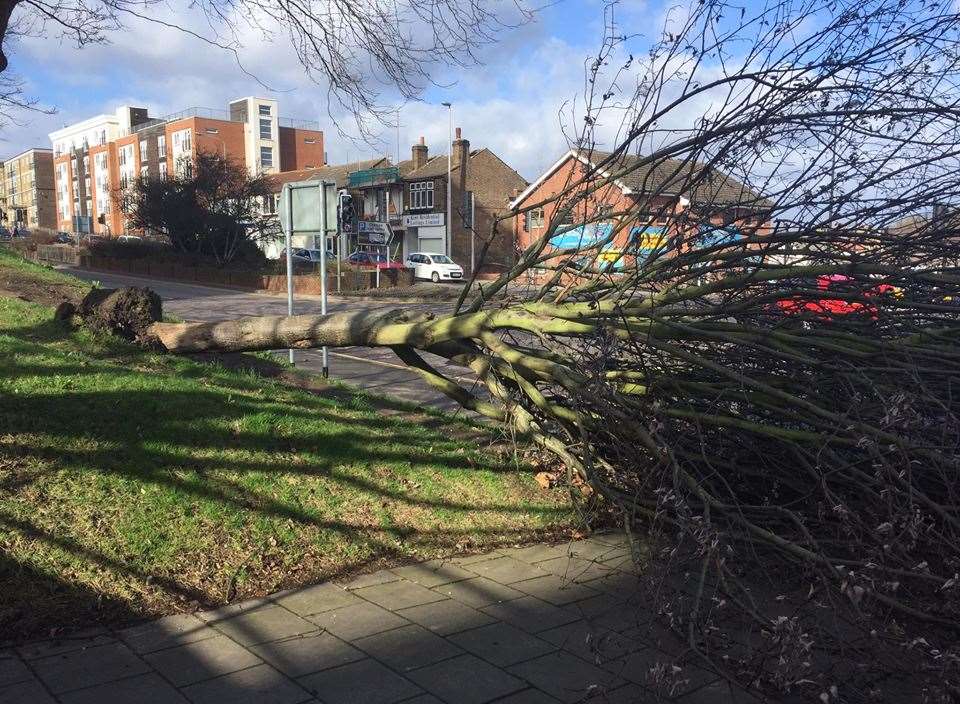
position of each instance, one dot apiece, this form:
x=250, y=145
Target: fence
x=58, y=254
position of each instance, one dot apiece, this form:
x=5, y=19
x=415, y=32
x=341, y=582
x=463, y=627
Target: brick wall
x=296, y=152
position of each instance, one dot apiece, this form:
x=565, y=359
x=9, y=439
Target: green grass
x=133, y=483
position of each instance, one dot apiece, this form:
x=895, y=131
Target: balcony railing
x=215, y=114
x=373, y=177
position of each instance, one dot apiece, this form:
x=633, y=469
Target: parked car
x=373, y=259
x=129, y=238
x=21, y=232
x=5, y=235
x=63, y=238
x=310, y=255
x=436, y=267
x=827, y=308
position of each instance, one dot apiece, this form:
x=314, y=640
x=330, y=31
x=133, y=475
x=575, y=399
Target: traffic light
x=102, y=219
x=347, y=217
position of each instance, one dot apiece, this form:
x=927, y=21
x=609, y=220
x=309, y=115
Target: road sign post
x=309, y=209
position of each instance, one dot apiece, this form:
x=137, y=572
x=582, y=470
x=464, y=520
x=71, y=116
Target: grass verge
x=136, y=484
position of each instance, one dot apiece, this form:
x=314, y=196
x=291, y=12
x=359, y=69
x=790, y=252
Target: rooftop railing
x=215, y=114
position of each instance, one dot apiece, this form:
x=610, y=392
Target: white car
x=436, y=267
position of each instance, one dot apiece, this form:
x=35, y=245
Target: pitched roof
x=435, y=166
x=667, y=177
x=336, y=172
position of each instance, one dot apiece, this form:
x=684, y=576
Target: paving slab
x=301, y=656
x=423, y=699
x=434, y=573
x=362, y=682
x=592, y=643
x=531, y=696
x=31, y=692
x=502, y=644
x=315, y=600
x=166, y=633
x=143, y=688
x=597, y=550
x=566, y=677
x=256, y=685
x=466, y=680
x=533, y=554
x=64, y=644
x=479, y=591
x=88, y=667
x=506, y=570
x=264, y=625
x=368, y=580
x=530, y=614
x=241, y=607
x=202, y=660
x=353, y=622
x=398, y=595
x=577, y=569
x=12, y=669
x=446, y=617
x=408, y=647
x=555, y=590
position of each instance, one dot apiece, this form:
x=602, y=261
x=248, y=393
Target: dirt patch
x=27, y=287
x=127, y=312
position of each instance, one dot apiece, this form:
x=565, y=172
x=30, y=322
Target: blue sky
x=510, y=103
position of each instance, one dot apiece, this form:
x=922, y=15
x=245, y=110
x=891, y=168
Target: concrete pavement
x=373, y=370
x=534, y=625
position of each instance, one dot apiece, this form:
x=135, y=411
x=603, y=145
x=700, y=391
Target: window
x=264, y=110
x=163, y=170
x=143, y=172
x=421, y=195
x=212, y=130
x=309, y=140
x=535, y=219
x=162, y=147
x=265, y=130
x=103, y=137
x=143, y=150
x=266, y=157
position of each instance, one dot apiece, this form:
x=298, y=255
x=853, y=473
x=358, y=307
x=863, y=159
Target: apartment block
x=26, y=190
x=97, y=159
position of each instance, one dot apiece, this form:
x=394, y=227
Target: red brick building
x=96, y=159
x=653, y=195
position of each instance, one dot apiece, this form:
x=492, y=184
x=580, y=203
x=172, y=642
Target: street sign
x=308, y=208
x=369, y=232
x=423, y=220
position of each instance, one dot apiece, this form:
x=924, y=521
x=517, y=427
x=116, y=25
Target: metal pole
x=289, y=237
x=323, y=269
x=449, y=237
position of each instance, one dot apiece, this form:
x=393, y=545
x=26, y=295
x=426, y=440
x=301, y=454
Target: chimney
x=461, y=153
x=419, y=154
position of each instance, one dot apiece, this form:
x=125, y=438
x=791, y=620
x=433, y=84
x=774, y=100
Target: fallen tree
x=769, y=381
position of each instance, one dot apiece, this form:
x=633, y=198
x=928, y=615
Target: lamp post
x=449, y=228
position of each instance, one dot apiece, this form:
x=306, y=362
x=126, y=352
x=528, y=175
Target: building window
x=266, y=157
x=143, y=150
x=421, y=195
x=103, y=138
x=264, y=110
x=535, y=219
x=143, y=172
x=162, y=147
x=265, y=131
x=163, y=170
x=309, y=140
x=212, y=130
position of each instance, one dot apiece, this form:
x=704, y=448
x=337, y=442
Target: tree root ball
x=126, y=312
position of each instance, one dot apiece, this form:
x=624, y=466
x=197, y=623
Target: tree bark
x=356, y=328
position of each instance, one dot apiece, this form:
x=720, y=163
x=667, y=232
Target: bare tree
x=356, y=50
x=770, y=387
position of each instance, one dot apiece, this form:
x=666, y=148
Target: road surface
x=373, y=369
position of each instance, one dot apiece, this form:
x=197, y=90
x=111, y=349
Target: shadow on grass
x=198, y=435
